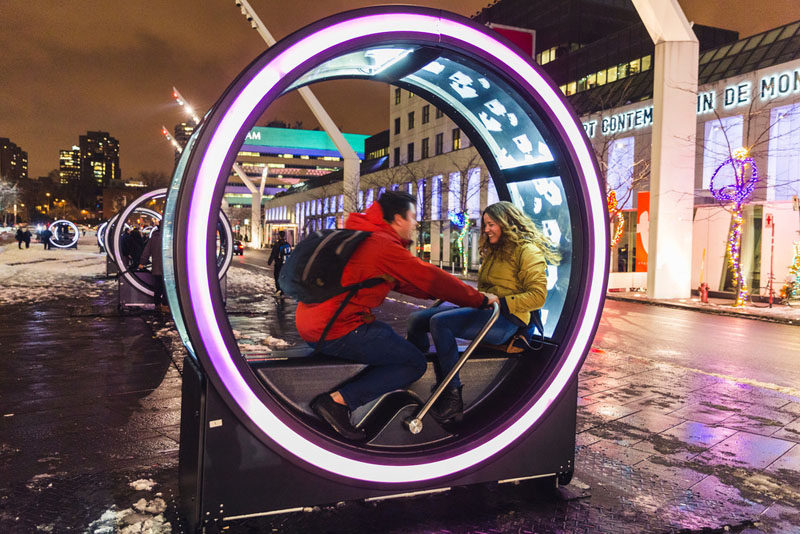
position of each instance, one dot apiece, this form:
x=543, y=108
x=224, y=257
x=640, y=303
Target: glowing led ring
x=136, y=206
x=101, y=234
x=228, y=125
x=71, y=224
x=741, y=189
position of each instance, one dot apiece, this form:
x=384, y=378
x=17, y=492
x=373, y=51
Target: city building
x=601, y=57
x=99, y=165
x=183, y=132
x=281, y=159
x=69, y=165
x=13, y=161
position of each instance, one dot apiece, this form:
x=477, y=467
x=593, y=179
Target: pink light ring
x=203, y=308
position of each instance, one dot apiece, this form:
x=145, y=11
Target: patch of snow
x=143, y=484
x=36, y=275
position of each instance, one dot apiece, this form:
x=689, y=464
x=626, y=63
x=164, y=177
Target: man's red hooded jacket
x=382, y=253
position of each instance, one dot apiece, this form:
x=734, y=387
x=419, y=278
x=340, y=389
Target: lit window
x=591, y=81
x=397, y=93
x=721, y=136
x=611, y=74
x=646, y=62
x=634, y=67
x=571, y=88
x=601, y=77
x=456, y=139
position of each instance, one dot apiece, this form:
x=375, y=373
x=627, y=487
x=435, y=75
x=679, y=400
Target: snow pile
x=143, y=484
x=276, y=342
x=36, y=275
x=145, y=516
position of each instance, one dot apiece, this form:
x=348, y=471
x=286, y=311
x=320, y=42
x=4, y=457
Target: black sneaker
x=338, y=416
x=449, y=407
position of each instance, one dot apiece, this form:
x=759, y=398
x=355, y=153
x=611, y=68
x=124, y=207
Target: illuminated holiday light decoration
x=736, y=194
x=462, y=222
x=614, y=211
x=791, y=290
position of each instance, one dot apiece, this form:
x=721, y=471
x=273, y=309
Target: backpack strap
x=351, y=291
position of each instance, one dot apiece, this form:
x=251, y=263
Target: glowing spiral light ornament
x=736, y=194
x=615, y=211
x=462, y=222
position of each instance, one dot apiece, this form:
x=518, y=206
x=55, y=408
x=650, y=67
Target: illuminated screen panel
x=486, y=103
x=544, y=201
x=497, y=116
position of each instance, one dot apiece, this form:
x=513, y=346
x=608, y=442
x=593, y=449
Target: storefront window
x=722, y=137
x=619, y=176
x=436, y=198
x=783, y=181
x=474, y=193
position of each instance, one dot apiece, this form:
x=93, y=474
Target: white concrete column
x=672, y=172
x=255, y=221
x=351, y=184
x=673, y=149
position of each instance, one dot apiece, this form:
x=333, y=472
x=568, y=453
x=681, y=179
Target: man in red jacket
x=393, y=362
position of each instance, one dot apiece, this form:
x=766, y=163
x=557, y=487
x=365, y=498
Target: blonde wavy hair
x=516, y=229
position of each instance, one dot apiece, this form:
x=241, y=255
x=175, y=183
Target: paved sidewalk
x=779, y=313
x=89, y=410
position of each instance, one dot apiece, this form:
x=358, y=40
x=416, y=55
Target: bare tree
x=9, y=195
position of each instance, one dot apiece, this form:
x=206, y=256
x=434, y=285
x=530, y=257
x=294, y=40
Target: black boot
x=338, y=416
x=449, y=407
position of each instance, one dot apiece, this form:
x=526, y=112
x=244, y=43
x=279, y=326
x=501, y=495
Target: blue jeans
x=446, y=323
x=393, y=363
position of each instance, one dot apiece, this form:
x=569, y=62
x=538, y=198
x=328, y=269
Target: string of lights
x=735, y=195
x=463, y=223
x=615, y=212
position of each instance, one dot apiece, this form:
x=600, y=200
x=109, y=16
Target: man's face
x=406, y=226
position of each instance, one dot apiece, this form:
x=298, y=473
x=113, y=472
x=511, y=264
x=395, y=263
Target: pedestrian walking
x=19, y=237
x=280, y=251
x=45, y=236
x=26, y=236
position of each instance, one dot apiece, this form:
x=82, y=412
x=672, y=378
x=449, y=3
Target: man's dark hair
x=282, y=233
x=395, y=203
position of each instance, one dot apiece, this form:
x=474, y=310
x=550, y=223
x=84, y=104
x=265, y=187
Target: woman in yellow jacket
x=513, y=272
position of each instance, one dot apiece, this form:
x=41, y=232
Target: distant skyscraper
x=183, y=132
x=99, y=154
x=69, y=165
x=13, y=161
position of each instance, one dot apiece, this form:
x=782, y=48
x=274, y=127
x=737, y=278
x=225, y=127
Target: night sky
x=71, y=66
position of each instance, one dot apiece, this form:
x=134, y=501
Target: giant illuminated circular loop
x=224, y=256
x=63, y=222
x=112, y=222
x=201, y=193
x=101, y=232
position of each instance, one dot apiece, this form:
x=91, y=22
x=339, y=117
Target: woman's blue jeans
x=446, y=323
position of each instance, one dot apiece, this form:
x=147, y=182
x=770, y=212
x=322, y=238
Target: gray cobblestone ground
x=660, y=449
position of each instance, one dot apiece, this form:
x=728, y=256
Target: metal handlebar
x=414, y=424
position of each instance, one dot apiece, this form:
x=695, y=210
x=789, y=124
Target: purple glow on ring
x=198, y=220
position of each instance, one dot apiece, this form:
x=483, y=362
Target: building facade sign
x=770, y=86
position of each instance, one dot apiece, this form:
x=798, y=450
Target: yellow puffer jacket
x=520, y=281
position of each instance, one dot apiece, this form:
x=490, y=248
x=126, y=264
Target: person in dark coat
x=19, y=238
x=135, y=246
x=280, y=251
x=152, y=250
x=45, y=236
x=26, y=236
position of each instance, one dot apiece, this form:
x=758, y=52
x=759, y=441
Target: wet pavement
x=90, y=403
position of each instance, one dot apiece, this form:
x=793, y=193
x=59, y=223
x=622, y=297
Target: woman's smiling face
x=491, y=229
